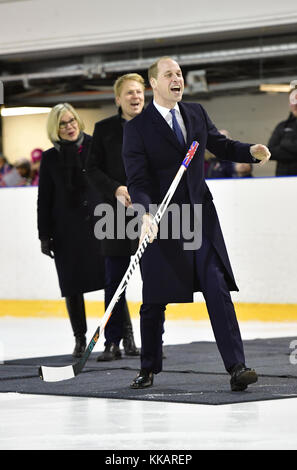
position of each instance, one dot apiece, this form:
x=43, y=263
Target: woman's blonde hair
x=54, y=118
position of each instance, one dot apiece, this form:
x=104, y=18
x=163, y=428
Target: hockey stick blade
x=56, y=374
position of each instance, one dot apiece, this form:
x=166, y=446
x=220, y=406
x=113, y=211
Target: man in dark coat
x=152, y=155
x=106, y=172
x=283, y=141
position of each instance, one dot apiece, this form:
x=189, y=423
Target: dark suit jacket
x=152, y=157
x=106, y=173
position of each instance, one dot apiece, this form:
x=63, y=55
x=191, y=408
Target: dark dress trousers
x=106, y=173
x=152, y=156
x=68, y=219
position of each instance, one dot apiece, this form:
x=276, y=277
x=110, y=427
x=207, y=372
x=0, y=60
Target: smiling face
x=293, y=102
x=293, y=108
x=168, y=86
x=68, y=127
x=131, y=99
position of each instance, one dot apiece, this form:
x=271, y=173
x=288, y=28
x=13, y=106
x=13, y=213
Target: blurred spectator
x=18, y=175
x=243, y=170
x=283, y=141
x=23, y=173
x=23, y=167
x=215, y=168
x=5, y=167
x=36, y=156
x=11, y=178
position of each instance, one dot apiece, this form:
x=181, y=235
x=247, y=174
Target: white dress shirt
x=165, y=112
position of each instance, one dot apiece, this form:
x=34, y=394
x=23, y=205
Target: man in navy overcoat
x=155, y=143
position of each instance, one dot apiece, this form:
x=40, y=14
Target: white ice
x=50, y=422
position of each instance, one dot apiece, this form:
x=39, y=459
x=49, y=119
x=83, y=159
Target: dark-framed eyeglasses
x=64, y=124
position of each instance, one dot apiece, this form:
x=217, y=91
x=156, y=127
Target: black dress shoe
x=144, y=379
x=111, y=353
x=80, y=346
x=241, y=377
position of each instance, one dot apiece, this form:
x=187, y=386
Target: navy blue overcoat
x=152, y=156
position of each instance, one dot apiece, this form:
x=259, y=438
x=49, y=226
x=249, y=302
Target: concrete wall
x=258, y=218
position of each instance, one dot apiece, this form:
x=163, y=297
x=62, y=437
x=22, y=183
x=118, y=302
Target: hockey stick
x=55, y=374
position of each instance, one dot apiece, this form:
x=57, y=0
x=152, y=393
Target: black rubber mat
x=192, y=373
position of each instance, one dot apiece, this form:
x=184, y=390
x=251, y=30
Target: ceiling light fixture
x=24, y=110
x=275, y=87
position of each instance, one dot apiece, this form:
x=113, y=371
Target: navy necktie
x=176, y=128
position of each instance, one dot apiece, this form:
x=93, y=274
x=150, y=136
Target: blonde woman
x=65, y=216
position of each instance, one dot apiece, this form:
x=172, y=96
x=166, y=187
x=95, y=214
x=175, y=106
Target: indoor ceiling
x=217, y=64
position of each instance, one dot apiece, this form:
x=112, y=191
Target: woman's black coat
x=68, y=218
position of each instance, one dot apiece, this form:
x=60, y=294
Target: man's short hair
x=118, y=85
x=153, y=69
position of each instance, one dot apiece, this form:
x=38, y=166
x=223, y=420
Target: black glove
x=47, y=247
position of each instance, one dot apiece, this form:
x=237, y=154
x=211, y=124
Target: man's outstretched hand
x=260, y=152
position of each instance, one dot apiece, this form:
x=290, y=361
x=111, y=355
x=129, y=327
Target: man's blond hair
x=118, y=85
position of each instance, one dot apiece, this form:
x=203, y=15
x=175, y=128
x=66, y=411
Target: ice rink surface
x=63, y=423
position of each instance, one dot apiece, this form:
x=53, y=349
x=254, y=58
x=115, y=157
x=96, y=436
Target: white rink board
x=258, y=219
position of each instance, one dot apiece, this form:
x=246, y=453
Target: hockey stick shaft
x=54, y=374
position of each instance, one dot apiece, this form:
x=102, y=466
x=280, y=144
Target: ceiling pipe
x=26, y=77
x=100, y=69
x=108, y=96
x=245, y=53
